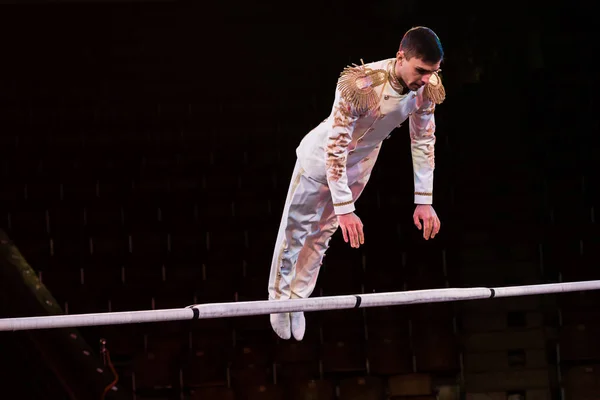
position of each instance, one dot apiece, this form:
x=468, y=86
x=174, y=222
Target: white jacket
x=347, y=143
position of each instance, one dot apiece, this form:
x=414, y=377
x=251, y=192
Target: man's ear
x=400, y=55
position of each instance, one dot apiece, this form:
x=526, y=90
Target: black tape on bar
x=196, y=312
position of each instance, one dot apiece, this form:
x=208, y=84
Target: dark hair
x=423, y=43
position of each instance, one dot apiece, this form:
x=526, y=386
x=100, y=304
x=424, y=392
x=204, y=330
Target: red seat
x=579, y=342
x=312, y=389
x=342, y=324
x=364, y=387
x=344, y=356
x=298, y=373
x=205, y=367
x=389, y=356
x=169, y=337
x=261, y=392
x=251, y=375
x=216, y=392
x=253, y=329
x=294, y=352
x=436, y=352
x=155, y=371
x=211, y=333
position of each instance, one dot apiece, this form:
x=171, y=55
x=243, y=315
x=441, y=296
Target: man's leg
x=310, y=258
x=300, y=211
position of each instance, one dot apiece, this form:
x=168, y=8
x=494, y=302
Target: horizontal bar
x=263, y=307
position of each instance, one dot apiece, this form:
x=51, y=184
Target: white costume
x=334, y=163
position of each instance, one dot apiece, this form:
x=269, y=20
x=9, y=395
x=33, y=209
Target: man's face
x=414, y=72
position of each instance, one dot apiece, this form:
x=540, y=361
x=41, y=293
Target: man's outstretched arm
x=422, y=139
x=343, y=120
x=422, y=143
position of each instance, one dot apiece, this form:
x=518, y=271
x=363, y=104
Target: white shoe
x=281, y=325
x=298, y=325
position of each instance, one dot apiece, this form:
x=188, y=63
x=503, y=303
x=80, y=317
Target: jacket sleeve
x=342, y=119
x=422, y=139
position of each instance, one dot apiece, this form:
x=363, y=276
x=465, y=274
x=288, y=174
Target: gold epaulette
x=434, y=90
x=357, y=86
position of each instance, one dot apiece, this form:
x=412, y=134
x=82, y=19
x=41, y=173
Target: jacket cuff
x=423, y=198
x=344, y=208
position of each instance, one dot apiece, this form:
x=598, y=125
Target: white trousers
x=307, y=225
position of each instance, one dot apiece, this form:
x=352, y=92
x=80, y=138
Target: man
x=336, y=158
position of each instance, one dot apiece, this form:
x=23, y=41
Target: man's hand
x=352, y=228
x=431, y=222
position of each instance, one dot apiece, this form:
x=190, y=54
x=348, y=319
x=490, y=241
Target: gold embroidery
x=345, y=203
x=429, y=129
x=341, y=121
x=431, y=155
x=357, y=84
x=395, y=82
x=434, y=90
x=336, y=163
x=428, y=110
x=423, y=194
x=344, y=108
x=336, y=145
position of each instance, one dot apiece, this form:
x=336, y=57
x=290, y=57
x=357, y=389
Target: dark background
x=146, y=150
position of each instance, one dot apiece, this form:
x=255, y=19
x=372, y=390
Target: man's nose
x=425, y=78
